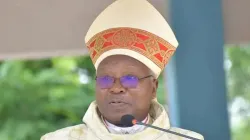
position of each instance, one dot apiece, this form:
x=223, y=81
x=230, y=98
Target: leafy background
x=39, y=96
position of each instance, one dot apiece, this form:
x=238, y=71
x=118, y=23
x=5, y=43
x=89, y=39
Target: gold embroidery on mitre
x=151, y=46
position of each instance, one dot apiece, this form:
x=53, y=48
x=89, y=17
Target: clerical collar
x=125, y=130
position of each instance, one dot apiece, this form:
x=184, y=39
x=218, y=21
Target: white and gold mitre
x=133, y=28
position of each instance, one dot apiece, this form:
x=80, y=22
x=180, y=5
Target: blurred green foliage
x=243, y=131
x=239, y=73
x=39, y=96
x=238, y=85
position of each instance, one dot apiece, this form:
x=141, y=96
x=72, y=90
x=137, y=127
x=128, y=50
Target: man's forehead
x=123, y=60
x=120, y=59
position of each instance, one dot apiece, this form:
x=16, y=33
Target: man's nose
x=117, y=87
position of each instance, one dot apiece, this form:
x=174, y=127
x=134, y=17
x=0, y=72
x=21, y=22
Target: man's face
x=118, y=100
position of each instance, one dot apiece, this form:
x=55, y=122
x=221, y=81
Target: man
x=129, y=43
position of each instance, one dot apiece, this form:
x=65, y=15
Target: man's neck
x=120, y=129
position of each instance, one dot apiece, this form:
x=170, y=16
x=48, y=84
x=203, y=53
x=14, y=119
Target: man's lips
x=117, y=102
x=118, y=105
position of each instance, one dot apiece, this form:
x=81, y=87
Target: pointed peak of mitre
x=133, y=28
x=137, y=14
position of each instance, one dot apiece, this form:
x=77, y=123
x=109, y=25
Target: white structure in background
x=45, y=28
x=83, y=76
x=239, y=110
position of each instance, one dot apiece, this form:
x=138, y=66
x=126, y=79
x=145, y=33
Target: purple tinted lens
x=129, y=81
x=105, y=81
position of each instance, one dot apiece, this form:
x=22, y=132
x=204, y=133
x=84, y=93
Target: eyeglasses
x=127, y=81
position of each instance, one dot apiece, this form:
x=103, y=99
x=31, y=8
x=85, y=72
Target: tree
x=238, y=83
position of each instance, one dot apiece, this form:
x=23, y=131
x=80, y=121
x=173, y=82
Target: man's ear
x=155, y=87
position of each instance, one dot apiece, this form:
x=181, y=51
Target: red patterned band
x=151, y=46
